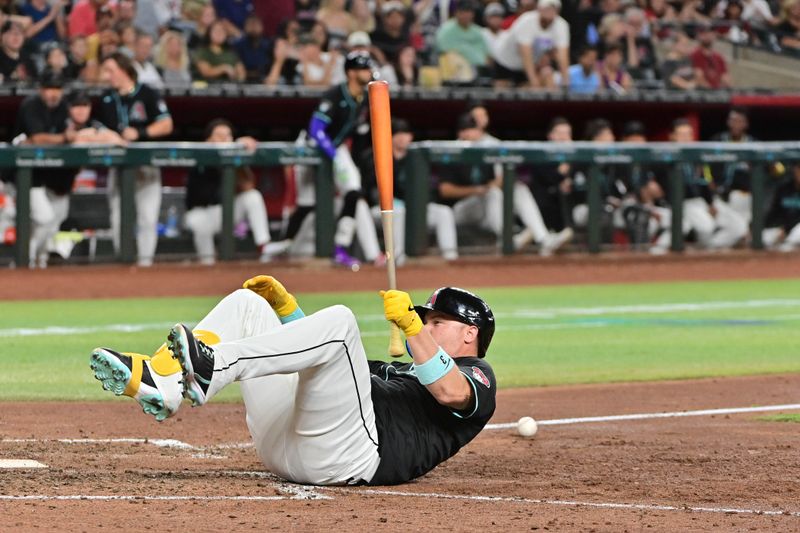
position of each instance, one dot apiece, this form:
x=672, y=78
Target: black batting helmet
x=358, y=60
x=467, y=308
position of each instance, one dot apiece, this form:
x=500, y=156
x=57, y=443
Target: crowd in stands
x=582, y=45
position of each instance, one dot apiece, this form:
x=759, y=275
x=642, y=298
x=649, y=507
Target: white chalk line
x=161, y=443
x=647, y=416
x=570, y=503
x=534, y=313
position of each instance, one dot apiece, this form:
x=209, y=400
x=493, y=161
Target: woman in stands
x=172, y=59
x=216, y=62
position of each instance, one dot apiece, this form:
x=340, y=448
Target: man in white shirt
x=533, y=34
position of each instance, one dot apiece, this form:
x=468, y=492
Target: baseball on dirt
x=527, y=426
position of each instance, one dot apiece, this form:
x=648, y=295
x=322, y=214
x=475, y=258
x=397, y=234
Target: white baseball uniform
x=148, y=207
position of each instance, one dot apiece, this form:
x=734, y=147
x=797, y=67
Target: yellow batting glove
x=273, y=292
x=398, y=308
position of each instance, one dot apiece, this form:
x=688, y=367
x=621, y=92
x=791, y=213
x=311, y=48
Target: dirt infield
x=731, y=472
x=119, y=469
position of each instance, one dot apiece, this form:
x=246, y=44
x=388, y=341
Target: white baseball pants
x=205, y=222
x=485, y=210
x=306, y=388
x=772, y=238
x=148, y=207
x=48, y=211
x=440, y=218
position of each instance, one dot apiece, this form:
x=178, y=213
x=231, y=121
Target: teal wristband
x=296, y=315
x=434, y=368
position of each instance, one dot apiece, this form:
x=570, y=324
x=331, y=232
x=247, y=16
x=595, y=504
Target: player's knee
x=344, y=314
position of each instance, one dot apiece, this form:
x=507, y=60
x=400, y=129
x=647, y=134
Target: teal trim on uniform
x=162, y=116
x=348, y=127
x=296, y=315
x=322, y=116
x=475, y=392
x=434, y=368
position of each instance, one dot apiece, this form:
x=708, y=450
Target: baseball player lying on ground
x=318, y=411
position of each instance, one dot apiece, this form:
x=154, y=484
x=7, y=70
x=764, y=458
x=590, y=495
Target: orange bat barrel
x=381, y=122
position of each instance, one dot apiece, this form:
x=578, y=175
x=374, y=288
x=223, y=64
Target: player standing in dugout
x=318, y=411
x=341, y=117
x=138, y=113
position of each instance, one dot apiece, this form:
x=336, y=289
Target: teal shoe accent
x=110, y=371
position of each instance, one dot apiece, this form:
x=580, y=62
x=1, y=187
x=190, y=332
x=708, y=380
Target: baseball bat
x=380, y=117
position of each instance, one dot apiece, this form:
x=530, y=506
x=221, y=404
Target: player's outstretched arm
x=434, y=367
x=273, y=291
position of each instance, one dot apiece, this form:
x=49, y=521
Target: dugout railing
x=23, y=159
x=512, y=154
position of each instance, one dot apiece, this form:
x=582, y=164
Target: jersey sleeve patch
x=479, y=376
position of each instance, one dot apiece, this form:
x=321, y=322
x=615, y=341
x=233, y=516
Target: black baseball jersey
x=369, y=181
x=35, y=117
x=464, y=175
x=138, y=109
x=342, y=114
x=415, y=432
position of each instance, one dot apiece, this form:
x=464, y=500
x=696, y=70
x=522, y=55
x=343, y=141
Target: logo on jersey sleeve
x=478, y=374
x=162, y=107
x=138, y=113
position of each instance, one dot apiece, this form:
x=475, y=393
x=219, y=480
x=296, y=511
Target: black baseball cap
x=401, y=125
x=466, y=122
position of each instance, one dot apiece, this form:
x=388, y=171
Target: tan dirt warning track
x=720, y=462
x=114, y=281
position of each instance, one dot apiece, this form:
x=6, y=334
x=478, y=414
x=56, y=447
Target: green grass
x=781, y=418
x=545, y=335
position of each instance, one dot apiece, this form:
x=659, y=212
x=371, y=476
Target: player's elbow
x=452, y=397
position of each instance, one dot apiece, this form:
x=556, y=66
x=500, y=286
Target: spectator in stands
x=692, y=12
x=172, y=59
x=439, y=218
x=711, y=69
x=362, y=15
x=82, y=18
x=55, y=62
x=522, y=7
x=715, y=224
x=661, y=12
x=406, y=68
x=732, y=26
x=143, y=61
x=460, y=35
x=789, y=28
x=756, y=14
x=677, y=70
x=551, y=184
x=532, y=35
x=642, y=60
x=493, y=19
x=138, y=113
x=783, y=218
x=317, y=68
x=76, y=59
x=583, y=76
x=204, y=198
x=127, y=37
x=49, y=23
x=104, y=23
x=337, y=20
x=233, y=13
x=42, y=120
x=286, y=54
x=393, y=31
x=15, y=64
x=126, y=10
x=216, y=62
x=254, y=50
x=613, y=75
x=153, y=16
x=199, y=36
